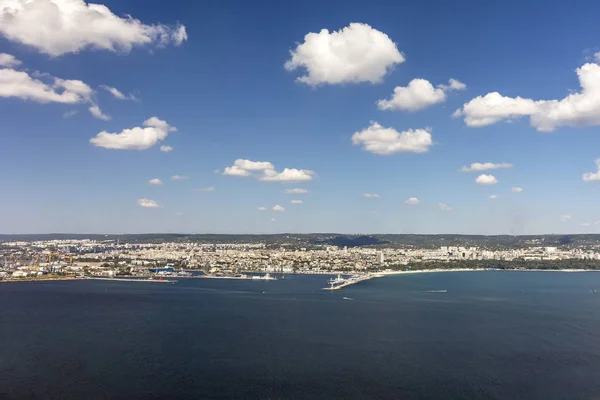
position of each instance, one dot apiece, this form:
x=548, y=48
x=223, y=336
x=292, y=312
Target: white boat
x=265, y=277
x=339, y=279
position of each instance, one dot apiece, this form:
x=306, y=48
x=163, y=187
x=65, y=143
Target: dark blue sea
x=455, y=335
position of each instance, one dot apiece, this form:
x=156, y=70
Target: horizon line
x=296, y=233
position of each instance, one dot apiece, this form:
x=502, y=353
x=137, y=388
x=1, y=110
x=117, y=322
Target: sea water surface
x=453, y=335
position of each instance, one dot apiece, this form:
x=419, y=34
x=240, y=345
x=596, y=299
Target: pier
x=351, y=281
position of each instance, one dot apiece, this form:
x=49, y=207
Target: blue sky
x=215, y=72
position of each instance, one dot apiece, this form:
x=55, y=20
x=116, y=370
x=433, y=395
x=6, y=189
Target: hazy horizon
x=290, y=233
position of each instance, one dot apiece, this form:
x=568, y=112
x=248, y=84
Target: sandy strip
x=420, y=271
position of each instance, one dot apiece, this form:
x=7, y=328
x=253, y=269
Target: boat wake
x=347, y=298
x=436, y=291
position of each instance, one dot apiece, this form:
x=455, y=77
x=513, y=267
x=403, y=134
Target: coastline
x=74, y=278
x=420, y=271
x=370, y=274
x=35, y=279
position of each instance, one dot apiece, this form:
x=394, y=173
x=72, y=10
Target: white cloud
x=69, y=114
x=253, y=165
x=357, y=53
x=486, y=180
x=68, y=26
x=9, y=61
x=287, y=175
x=454, y=85
x=517, y=189
x=117, y=93
x=494, y=196
x=97, y=113
x=371, y=195
x=413, y=201
x=444, y=207
x=82, y=89
x=236, y=171
x=243, y=167
x=179, y=178
x=379, y=140
x=166, y=149
x=278, y=208
x=296, y=201
x=207, y=189
x=261, y=208
x=155, y=181
x=592, y=176
x=295, y=191
x=585, y=224
x=565, y=218
x=147, y=203
x=484, y=166
x=577, y=109
x=418, y=95
x=21, y=85
x=137, y=138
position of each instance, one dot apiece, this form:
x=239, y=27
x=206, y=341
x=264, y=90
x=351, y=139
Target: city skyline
x=193, y=118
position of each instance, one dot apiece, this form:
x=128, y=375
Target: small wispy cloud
x=295, y=191
x=444, y=207
x=117, y=94
x=147, y=203
x=70, y=113
x=484, y=166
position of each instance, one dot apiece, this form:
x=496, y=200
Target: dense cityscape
x=113, y=258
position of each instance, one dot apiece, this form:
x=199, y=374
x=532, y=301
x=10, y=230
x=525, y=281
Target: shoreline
x=55, y=279
x=420, y=271
x=371, y=275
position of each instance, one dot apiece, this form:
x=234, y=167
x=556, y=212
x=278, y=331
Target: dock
x=351, y=281
x=266, y=277
x=131, y=280
x=223, y=277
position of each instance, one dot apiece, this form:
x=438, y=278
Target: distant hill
x=312, y=240
x=345, y=241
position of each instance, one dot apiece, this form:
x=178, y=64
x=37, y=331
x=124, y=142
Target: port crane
x=59, y=256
